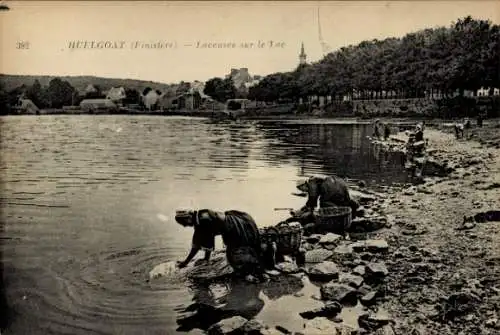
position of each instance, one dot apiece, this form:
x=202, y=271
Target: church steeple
x=302, y=56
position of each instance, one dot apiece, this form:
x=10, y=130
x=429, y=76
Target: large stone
x=370, y=246
x=367, y=224
x=359, y=270
x=314, y=238
x=330, y=238
x=330, y=309
x=369, y=298
x=253, y=327
x=385, y=330
x=287, y=267
x=270, y=331
x=320, y=325
x=374, y=320
x=343, y=254
x=376, y=269
x=227, y=326
x=324, y=271
x=318, y=255
x=361, y=197
x=351, y=280
x=460, y=303
x=338, y=292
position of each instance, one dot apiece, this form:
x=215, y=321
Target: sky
x=36, y=36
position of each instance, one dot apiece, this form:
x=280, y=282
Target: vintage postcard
x=302, y=167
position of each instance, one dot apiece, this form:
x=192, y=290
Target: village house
x=26, y=106
x=151, y=99
x=116, y=94
x=189, y=100
x=96, y=105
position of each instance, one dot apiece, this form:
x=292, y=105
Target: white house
x=116, y=94
x=150, y=99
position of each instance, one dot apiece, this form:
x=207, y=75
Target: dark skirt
x=242, y=239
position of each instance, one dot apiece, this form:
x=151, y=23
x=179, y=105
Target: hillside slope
x=10, y=82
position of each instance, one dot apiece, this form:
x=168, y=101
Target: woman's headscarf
x=185, y=217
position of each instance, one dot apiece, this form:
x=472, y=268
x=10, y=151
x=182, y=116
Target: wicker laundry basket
x=333, y=219
x=288, y=237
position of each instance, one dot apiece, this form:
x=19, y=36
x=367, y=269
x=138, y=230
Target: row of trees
x=61, y=93
x=464, y=56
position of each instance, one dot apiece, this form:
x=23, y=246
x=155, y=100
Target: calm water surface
x=87, y=204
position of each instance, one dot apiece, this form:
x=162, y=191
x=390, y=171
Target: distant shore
x=218, y=114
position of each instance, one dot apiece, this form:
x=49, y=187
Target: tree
x=4, y=101
x=220, y=89
x=60, y=93
x=132, y=96
x=36, y=94
x=182, y=88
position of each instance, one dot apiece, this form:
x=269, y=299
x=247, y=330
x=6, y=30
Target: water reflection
x=213, y=302
x=341, y=149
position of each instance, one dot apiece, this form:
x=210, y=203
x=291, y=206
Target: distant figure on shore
x=330, y=191
x=462, y=129
x=459, y=130
x=376, y=129
x=387, y=131
x=419, y=133
x=480, y=120
x=239, y=233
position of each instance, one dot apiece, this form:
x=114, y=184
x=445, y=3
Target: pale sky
x=50, y=26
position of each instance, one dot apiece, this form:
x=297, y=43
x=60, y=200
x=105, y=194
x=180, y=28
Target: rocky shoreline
x=413, y=263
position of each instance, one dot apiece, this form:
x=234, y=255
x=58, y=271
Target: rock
x=320, y=325
x=351, y=280
x=330, y=309
x=369, y=298
x=374, y=320
x=342, y=253
x=283, y=330
x=324, y=271
x=364, y=290
x=313, y=239
x=338, y=292
x=253, y=327
x=359, y=270
x=273, y=273
x=306, y=246
x=362, y=198
x=410, y=191
x=271, y=331
x=491, y=323
x=360, y=212
x=376, y=269
x=385, y=330
x=460, y=303
x=318, y=255
x=196, y=331
x=330, y=238
x=227, y=326
x=343, y=250
x=370, y=246
x=367, y=224
x=287, y=267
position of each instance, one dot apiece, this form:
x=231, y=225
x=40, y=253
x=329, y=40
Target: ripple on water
x=111, y=286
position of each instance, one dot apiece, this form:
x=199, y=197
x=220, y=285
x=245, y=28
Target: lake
x=88, y=202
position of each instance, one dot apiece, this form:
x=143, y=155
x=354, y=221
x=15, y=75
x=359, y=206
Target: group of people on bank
x=245, y=251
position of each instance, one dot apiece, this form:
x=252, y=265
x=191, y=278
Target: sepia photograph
x=250, y=167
